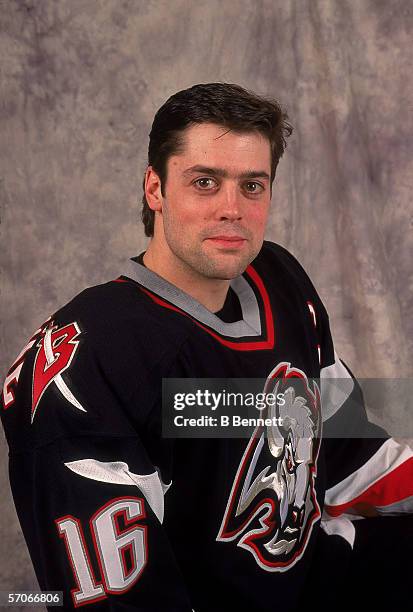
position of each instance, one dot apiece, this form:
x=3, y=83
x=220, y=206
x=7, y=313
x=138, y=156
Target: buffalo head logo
x=272, y=506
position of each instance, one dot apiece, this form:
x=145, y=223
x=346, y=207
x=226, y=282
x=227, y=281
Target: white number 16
x=112, y=546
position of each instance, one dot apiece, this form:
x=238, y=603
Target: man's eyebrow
x=249, y=174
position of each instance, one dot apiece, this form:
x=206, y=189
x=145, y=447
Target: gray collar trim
x=250, y=325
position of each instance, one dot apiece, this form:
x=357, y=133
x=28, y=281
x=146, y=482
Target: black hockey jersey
x=117, y=515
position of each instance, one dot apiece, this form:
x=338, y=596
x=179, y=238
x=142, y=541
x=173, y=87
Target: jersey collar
x=249, y=325
x=256, y=330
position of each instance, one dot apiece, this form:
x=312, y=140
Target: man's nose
x=229, y=205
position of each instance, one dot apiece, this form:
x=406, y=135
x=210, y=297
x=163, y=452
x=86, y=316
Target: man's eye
x=253, y=187
x=205, y=183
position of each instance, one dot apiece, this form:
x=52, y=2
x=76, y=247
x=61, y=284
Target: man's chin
x=223, y=270
x=227, y=264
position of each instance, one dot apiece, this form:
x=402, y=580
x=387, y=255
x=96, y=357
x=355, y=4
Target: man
x=115, y=514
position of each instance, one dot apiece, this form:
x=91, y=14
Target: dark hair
x=224, y=104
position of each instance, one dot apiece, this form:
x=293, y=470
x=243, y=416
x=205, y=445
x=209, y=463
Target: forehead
x=219, y=145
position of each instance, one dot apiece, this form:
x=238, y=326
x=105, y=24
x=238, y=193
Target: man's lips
x=225, y=237
x=228, y=241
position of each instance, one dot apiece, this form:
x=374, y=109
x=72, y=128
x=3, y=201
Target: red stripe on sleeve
x=391, y=488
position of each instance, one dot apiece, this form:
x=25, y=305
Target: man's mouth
x=232, y=242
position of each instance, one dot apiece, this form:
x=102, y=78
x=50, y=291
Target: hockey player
x=118, y=516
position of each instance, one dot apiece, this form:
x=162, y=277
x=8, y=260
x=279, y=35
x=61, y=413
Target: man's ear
x=153, y=190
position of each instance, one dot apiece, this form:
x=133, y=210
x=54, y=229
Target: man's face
x=216, y=203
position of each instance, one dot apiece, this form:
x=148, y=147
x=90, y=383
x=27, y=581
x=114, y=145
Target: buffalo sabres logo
x=273, y=506
x=57, y=348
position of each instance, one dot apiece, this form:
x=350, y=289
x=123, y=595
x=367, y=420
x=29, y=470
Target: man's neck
x=210, y=292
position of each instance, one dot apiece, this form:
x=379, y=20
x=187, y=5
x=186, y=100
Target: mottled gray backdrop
x=80, y=82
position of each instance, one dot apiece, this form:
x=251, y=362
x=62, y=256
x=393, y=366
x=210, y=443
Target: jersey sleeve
x=88, y=492
x=91, y=512
x=368, y=472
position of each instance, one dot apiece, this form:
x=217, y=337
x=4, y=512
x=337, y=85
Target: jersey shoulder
x=278, y=261
x=119, y=309
x=281, y=268
x=93, y=368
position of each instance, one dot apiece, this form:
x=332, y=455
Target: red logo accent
x=13, y=374
x=56, y=351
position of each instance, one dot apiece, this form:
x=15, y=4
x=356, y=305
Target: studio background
x=80, y=83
